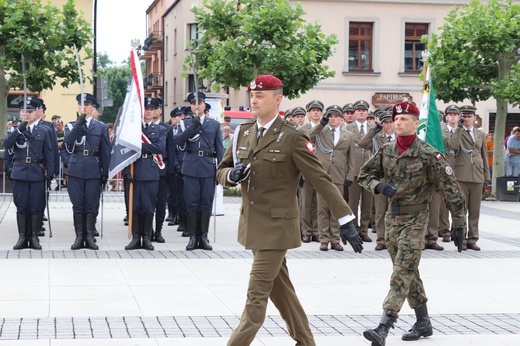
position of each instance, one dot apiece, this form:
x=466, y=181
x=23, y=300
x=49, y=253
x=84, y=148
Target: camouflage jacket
x=416, y=173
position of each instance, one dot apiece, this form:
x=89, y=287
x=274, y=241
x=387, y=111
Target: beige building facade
x=377, y=59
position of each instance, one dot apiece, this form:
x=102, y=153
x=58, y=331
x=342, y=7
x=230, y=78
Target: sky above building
x=120, y=21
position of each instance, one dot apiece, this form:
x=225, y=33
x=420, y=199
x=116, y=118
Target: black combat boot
x=158, y=233
x=95, y=232
x=147, y=231
x=34, y=242
x=170, y=215
x=79, y=229
x=378, y=335
x=90, y=243
x=205, y=216
x=423, y=326
x=192, y=223
x=135, y=243
x=23, y=241
x=183, y=225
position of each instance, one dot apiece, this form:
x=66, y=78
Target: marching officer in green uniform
x=408, y=171
x=267, y=157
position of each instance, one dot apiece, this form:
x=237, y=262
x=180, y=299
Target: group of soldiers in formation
x=176, y=171
x=346, y=137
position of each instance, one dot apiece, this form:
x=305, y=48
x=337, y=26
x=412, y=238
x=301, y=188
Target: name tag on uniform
x=274, y=151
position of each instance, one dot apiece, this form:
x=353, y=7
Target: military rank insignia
x=246, y=133
x=310, y=147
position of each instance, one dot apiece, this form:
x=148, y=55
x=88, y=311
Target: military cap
x=378, y=112
x=385, y=115
x=287, y=113
x=31, y=103
x=160, y=101
x=371, y=115
x=468, y=109
x=298, y=111
x=42, y=104
x=452, y=108
x=87, y=98
x=441, y=114
x=315, y=104
x=334, y=109
x=208, y=107
x=405, y=107
x=361, y=104
x=201, y=97
x=177, y=111
x=96, y=104
x=188, y=111
x=150, y=102
x=265, y=82
x=349, y=107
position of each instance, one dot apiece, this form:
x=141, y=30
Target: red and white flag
x=127, y=145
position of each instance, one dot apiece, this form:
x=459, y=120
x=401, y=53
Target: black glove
x=8, y=173
x=348, y=233
x=347, y=184
x=22, y=126
x=195, y=122
x=178, y=170
x=237, y=173
x=48, y=180
x=458, y=237
x=461, y=123
x=81, y=120
x=103, y=182
x=325, y=119
x=378, y=127
x=387, y=189
x=129, y=178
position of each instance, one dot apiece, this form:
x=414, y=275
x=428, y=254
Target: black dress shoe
x=306, y=239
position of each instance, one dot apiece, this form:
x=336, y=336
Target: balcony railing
x=154, y=41
x=154, y=81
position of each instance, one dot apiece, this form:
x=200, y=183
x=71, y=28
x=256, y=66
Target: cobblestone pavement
x=474, y=293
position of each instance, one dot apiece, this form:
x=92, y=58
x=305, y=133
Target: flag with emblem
x=127, y=143
x=429, y=128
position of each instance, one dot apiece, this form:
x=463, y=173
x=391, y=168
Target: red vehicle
x=237, y=117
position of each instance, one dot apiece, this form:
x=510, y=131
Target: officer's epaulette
x=249, y=121
x=292, y=126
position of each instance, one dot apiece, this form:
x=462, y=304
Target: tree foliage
x=45, y=35
x=476, y=56
x=268, y=36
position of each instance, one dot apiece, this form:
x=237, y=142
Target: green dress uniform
x=416, y=173
x=269, y=223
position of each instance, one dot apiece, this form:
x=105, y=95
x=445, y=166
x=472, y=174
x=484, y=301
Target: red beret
x=405, y=107
x=265, y=82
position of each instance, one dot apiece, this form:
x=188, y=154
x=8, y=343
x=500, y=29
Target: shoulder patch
x=449, y=170
x=310, y=147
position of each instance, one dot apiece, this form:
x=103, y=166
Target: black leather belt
x=147, y=156
x=201, y=153
x=87, y=152
x=408, y=209
x=28, y=160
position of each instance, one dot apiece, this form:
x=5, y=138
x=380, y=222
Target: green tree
x=45, y=36
x=268, y=36
x=118, y=77
x=476, y=56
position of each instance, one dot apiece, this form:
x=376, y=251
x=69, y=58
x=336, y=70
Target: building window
x=413, y=47
x=192, y=87
x=193, y=33
x=360, y=46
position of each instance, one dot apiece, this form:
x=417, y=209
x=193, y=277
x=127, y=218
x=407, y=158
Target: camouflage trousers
x=405, y=240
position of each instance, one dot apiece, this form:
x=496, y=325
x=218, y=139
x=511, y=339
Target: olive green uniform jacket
x=269, y=211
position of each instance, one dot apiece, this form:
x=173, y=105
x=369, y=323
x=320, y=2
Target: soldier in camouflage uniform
x=411, y=170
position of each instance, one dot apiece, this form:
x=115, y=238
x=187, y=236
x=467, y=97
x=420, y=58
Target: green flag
x=430, y=126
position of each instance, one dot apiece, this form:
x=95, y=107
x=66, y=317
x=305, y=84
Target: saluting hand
x=378, y=127
x=22, y=126
x=461, y=122
x=82, y=119
x=195, y=122
x=325, y=119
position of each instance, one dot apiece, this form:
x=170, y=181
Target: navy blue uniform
x=31, y=161
x=176, y=186
x=162, y=192
x=87, y=169
x=145, y=185
x=203, y=148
